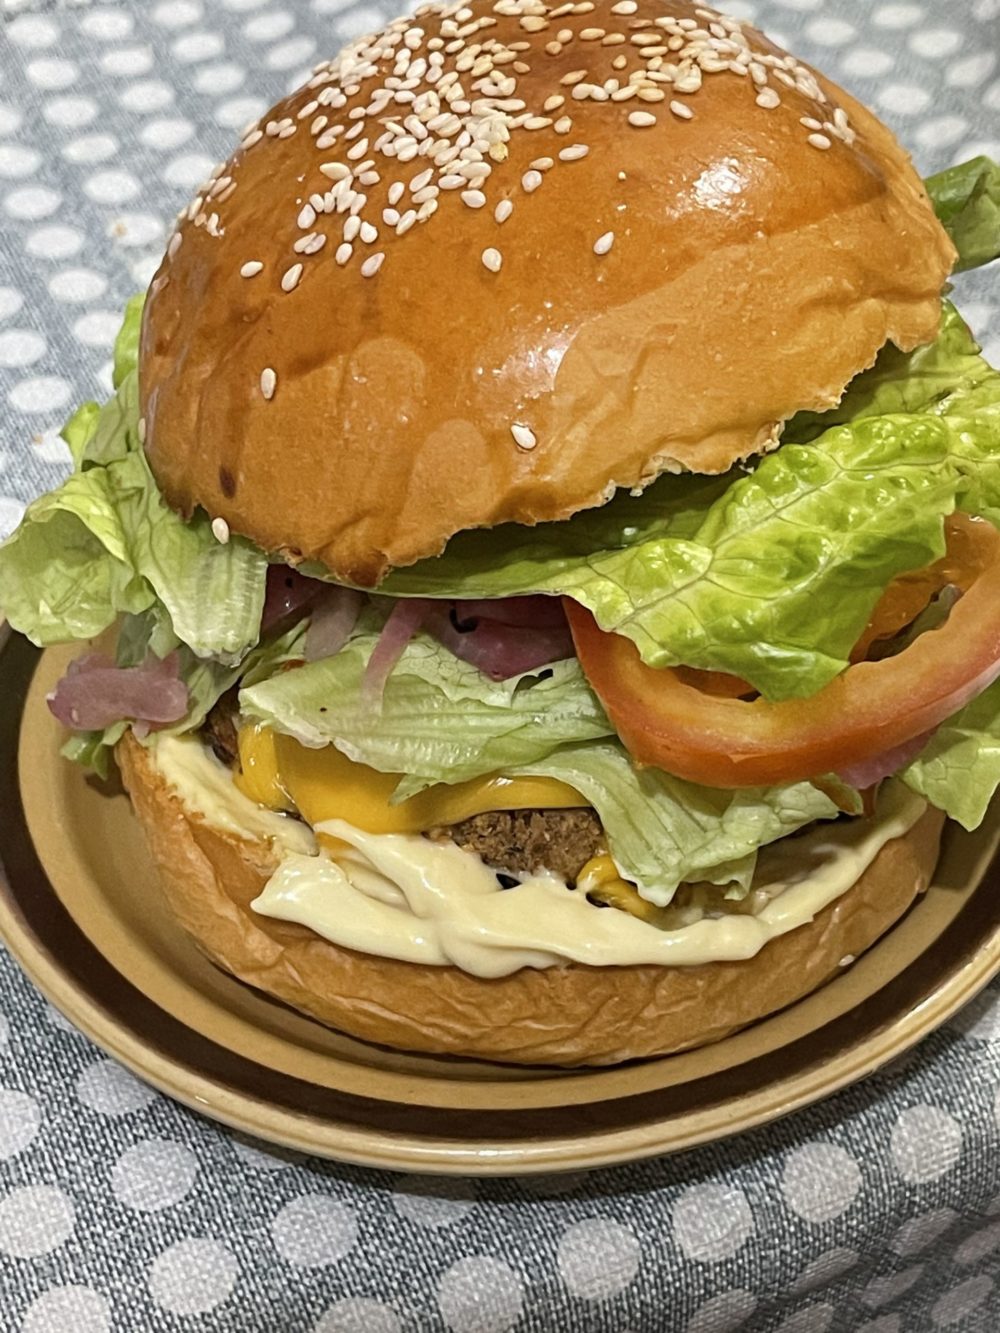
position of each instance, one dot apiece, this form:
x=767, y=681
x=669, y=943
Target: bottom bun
x=567, y=1015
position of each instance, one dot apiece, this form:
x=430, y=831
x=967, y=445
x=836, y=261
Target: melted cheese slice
x=282, y=774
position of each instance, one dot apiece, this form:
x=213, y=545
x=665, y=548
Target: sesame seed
x=369, y=233
x=220, y=530
x=290, y=278
x=336, y=171
x=591, y=34
x=811, y=123
x=679, y=109
x=820, y=141
x=372, y=264
x=643, y=119
x=624, y=7
x=306, y=217
x=351, y=227
x=474, y=198
x=175, y=244
x=268, y=382
x=396, y=192
x=574, y=76
x=344, y=253
x=573, y=152
x=530, y=181
x=524, y=436
x=563, y=125
x=492, y=259
x=768, y=99
x=542, y=164
x=503, y=210
x=604, y=243
x=554, y=102
x=251, y=268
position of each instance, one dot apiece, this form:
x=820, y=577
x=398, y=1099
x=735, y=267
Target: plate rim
x=386, y=1149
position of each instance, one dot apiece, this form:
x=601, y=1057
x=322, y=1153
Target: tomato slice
x=871, y=708
x=909, y=594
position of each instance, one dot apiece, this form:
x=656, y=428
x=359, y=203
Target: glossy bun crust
x=572, y=1015
x=685, y=263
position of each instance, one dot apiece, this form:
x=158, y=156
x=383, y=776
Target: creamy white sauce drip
x=206, y=785
x=404, y=896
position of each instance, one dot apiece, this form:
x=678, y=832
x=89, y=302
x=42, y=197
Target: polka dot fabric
x=121, y=1212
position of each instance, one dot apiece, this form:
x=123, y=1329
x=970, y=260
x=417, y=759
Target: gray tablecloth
x=879, y=1210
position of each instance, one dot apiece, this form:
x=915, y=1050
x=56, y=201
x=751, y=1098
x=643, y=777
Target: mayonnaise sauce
x=206, y=785
x=405, y=896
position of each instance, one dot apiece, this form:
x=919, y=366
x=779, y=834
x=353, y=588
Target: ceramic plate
x=80, y=910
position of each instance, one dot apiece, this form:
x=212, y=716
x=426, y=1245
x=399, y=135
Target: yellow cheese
x=324, y=784
x=599, y=879
x=258, y=777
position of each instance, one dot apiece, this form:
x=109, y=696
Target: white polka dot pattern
x=434, y=1201
x=193, y=1276
x=820, y=1181
x=926, y=1143
x=711, y=1222
x=480, y=1294
x=314, y=1231
x=876, y=1214
x=35, y=1220
x=61, y=1309
x=359, y=1316
x=598, y=1258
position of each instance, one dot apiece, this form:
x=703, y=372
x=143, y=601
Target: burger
x=540, y=566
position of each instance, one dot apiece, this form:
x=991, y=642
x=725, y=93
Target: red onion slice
x=866, y=772
x=526, y=612
x=287, y=591
x=94, y=693
x=334, y=616
x=498, y=649
x=405, y=618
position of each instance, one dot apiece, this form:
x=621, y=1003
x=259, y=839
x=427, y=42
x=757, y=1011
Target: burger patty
x=526, y=841
x=220, y=728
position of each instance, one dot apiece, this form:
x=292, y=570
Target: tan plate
x=81, y=912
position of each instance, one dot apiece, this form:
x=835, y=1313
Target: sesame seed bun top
x=501, y=258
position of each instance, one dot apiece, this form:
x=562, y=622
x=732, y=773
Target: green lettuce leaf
x=105, y=543
x=65, y=572
x=959, y=768
x=126, y=353
x=966, y=198
x=441, y=720
x=663, y=831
